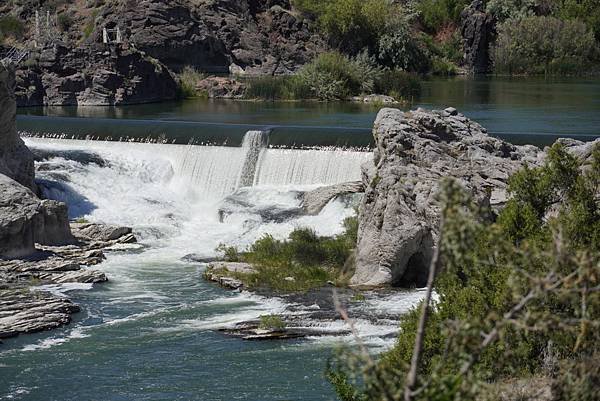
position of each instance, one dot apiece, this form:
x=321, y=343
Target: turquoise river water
x=151, y=332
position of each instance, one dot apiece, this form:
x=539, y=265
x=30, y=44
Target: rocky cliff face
x=94, y=75
x=478, y=30
x=257, y=37
x=399, y=215
x=24, y=218
x=16, y=161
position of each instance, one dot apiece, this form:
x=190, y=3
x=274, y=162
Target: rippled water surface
x=150, y=333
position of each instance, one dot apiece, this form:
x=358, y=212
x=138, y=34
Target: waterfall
x=254, y=142
x=213, y=172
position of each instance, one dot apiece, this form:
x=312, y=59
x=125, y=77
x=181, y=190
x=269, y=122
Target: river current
x=151, y=332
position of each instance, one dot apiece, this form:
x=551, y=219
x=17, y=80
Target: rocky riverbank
x=93, y=75
x=38, y=244
x=25, y=307
x=313, y=313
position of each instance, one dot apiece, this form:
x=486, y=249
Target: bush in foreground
x=519, y=299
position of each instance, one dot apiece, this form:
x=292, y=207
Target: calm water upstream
x=150, y=333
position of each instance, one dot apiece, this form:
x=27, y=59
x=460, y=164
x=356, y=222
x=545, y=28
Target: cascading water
x=254, y=142
x=213, y=172
x=156, y=303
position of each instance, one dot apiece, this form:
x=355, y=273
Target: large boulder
x=26, y=220
x=16, y=161
x=94, y=75
x=478, y=30
x=399, y=215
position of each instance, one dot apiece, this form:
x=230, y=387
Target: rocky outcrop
x=95, y=74
x=221, y=88
x=398, y=216
x=16, y=161
x=223, y=273
x=478, y=30
x=24, y=312
x=26, y=309
x=255, y=37
x=314, y=201
x=25, y=220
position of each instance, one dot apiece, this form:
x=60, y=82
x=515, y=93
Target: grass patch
x=188, y=79
x=299, y=263
x=271, y=322
x=334, y=76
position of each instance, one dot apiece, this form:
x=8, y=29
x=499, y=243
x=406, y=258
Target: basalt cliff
x=415, y=150
x=84, y=61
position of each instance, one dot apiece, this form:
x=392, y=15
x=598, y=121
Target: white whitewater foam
x=60, y=290
x=171, y=195
x=76, y=333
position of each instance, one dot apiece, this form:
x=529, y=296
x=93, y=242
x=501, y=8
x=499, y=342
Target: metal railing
x=14, y=56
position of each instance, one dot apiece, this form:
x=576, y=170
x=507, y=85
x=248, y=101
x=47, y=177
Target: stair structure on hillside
x=111, y=35
x=14, y=56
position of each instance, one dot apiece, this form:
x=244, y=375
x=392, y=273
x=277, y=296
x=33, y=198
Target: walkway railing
x=14, y=56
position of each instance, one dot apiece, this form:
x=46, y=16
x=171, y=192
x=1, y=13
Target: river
x=150, y=333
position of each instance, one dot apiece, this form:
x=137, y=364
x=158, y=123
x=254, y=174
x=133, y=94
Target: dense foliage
x=332, y=76
x=384, y=30
x=544, y=45
x=11, y=27
x=188, y=79
x=518, y=297
x=303, y=261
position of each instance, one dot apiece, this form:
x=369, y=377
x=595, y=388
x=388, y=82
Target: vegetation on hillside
x=10, y=28
x=303, y=261
x=518, y=308
x=423, y=36
x=333, y=76
x=188, y=79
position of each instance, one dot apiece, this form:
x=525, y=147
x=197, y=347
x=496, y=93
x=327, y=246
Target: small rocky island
x=38, y=243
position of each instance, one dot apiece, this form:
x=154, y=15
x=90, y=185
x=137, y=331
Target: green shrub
x=401, y=47
x=303, y=261
x=441, y=66
x=485, y=274
x=511, y=9
x=352, y=25
x=271, y=322
x=436, y=14
x=229, y=253
x=188, y=81
x=11, y=26
x=587, y=11
x=543, y=45
x=334, y=76
x=399, y=84
x=277, y=88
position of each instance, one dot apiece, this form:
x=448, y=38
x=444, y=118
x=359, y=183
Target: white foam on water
x=17, y=392
x=171, y=195
x=76, y=333
x=244, y=307
x=60, y=290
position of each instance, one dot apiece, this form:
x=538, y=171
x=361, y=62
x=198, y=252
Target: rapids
x=149, y=333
